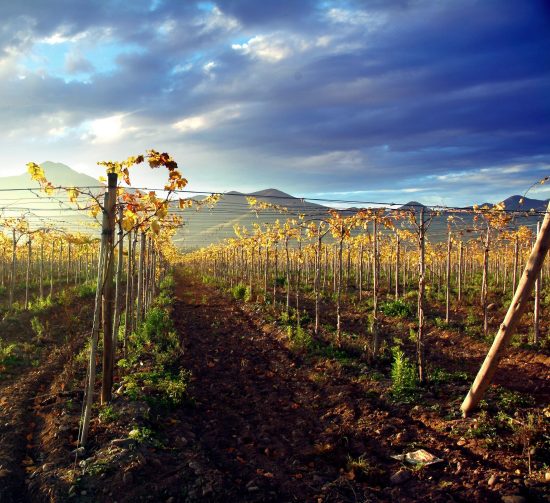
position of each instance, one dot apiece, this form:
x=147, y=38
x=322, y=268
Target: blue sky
x=442, y=102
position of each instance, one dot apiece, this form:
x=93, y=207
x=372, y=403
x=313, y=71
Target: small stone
x=547, y=477
x=492, y=480
x=253, y=489
x=461, y=442
x=83, y=493
x=400, y=477
x=171, y=499
x=123, y=443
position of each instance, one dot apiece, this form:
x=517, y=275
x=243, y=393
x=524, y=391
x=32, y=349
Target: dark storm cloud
x=411, y=88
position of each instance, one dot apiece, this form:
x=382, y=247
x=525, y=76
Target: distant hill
x=411, y=205
x=209, y=225
x=40, y=209
x=213, y=225
x=59, y=174
x=515, y=203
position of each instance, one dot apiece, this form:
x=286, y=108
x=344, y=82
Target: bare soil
x=272, y=422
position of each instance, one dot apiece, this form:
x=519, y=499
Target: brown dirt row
x=278, y=428
x=268, y=423
x=28, y=392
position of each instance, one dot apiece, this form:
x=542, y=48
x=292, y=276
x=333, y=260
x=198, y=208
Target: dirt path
x=267, y=424
x=24, y=398
x=278, y=429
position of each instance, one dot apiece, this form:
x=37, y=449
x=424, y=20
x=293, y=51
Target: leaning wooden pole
x=515, y=311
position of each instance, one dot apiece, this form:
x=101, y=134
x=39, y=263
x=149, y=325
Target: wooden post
x=397, y=258
x=27, y=279
x=375, y=286
x=515, y=311
x=13, y=266
x=485, y=282
x=52, y=259
x=316, y=280
x=448, y=279
x=420, y=353
x=140, y=278
x=41, y=270
x=460, y=267
x=360, y=271
x=118, y=284
x=90, y=383
x=339, y=290
x=129, y=295
x=108, y=231
x=536, y=333
x=516, y=262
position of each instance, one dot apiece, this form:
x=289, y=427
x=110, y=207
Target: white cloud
x=167, y=27
x=208, y=68
x=193, y=123
x=105, y=130
x=208, y=120
x=363, y=19
x=342, y=159
x=60, y=37
x=216, y=20
x=323, y=41
x=269, y=48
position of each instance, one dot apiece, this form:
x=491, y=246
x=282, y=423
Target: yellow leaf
x=73, y=194
x=155, y=226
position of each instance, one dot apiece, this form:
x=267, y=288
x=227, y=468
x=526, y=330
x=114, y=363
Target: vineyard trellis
x=477, y=257
x=338, y=256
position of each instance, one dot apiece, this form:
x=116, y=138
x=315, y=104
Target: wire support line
x=390, y=206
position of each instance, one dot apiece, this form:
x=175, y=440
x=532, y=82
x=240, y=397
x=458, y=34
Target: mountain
x=520, y=203
x=41, y=210
x=513, y=203
x=273, y=193
x=412, y=205
x=208, y=225
x=57, y=173
x=211, y=225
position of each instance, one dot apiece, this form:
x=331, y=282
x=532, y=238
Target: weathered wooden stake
x=107, y=381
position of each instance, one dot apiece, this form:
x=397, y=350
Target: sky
x=444, y=102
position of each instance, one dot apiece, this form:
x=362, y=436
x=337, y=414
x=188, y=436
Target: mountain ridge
x=58, y=173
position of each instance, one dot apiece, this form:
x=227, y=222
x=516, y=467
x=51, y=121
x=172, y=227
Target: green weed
x=108, y=414
x=300, y=338
x=397, y=308
x=403, y=375
x=158, y=387
x=86, y=291
x=239, y=291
